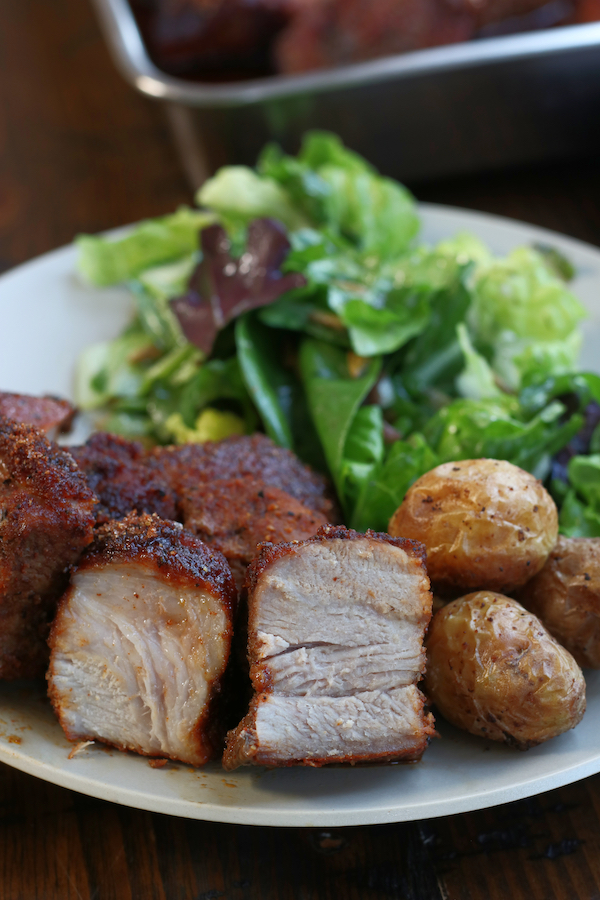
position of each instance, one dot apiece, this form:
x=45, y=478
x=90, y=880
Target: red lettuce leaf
x=222, y=287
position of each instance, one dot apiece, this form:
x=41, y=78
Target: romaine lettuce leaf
x=103, y=261
x=111, y=369
x=239, y=195
x=343, y=194
x=476, y=381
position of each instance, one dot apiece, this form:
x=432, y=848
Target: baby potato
x=565, y=595
x=494, y=670
x=485, y=523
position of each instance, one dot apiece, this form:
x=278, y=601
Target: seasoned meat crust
x=162, y=481
x=269, y=552
x=116, y=472
x=46, y=520
x=235, y=515
x=255, y=456
x=141, y=641
x=165, y=546
x=48, y=414
x=335, y=645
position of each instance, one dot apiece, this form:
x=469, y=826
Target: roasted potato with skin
x=565, y=595
x=485, y=523
x=494, y=670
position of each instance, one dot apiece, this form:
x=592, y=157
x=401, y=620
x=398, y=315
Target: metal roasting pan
x=447, y=110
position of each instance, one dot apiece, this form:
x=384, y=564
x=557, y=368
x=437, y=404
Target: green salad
x=296, y=298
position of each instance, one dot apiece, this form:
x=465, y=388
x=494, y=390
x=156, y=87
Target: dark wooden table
x=81, y=151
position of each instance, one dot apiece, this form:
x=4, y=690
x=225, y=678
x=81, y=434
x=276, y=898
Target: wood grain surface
x=81, y=151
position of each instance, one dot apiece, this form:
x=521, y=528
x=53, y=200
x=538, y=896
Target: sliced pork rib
x=115, y=470
x=126, y=478
x=234, y=515
x=335, y=643
x=48, y=414
x=141, y=640
x=255, y=456
x=46, y=520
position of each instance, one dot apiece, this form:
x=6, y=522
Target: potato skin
x=485, y=522
x=565, y=595
x=494, y=670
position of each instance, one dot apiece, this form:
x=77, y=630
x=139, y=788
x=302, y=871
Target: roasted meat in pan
x=116, y=472
x=486, y=11
x=235, y=515
x=255, y=456
x=326, y=33
x=46, y=520
x=253, y=37
x=141, y=640
x=335, y=644
x=205, y=35
x=47, y=414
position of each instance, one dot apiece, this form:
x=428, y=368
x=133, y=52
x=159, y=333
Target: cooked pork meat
x=116, y=472
x=141, y=641
x=235, y=515
x=170, y=481
x=255, y=456
x=48, y=414
x=46, y=520
x=336, y=626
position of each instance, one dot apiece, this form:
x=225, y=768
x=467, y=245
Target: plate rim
x=287, y=816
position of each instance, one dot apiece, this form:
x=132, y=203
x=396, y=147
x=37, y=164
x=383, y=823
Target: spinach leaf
x=334, y=398
x=270, y=385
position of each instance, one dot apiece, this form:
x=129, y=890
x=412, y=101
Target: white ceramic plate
x=47, y=317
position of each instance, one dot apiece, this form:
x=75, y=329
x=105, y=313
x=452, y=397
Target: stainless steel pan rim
x=132, y=59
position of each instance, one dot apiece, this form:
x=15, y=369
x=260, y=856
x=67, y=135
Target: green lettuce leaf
x=239, y=195
x=363, y=454
x=334, y=398
x=577, y=519
x=342, y=193
x=476, y=381
x=471, y=429
x=269, y=384
x=384, y=489
x=580, y=509
x=103, y=261
x=527, y=317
